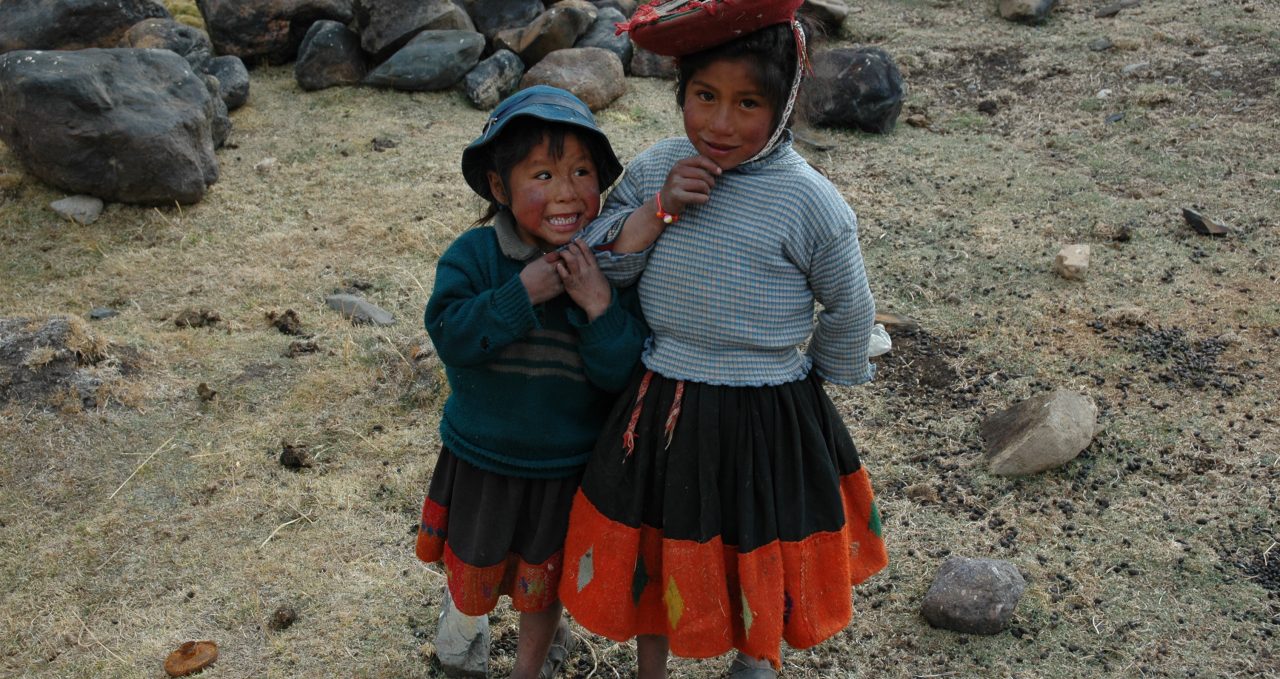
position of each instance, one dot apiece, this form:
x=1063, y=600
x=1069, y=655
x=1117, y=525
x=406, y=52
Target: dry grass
x=129, y=529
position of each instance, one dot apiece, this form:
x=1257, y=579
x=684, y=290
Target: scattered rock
x=433, y=60
x=854, y=88
x=205, y=393
x=1114, y=118
x=102, y=313
x=387, y=25
x=973, y=596
x=1101, y=44
x=67, y=25
x=592, y=74
x=1072, y=262
x=493, y=79
x=233, y=80
x=1040, y=433
x=266, y=30
x=265, y=166
x=1026, y=11
x=380, y=144
x=196, y=318
x=81, y=209
x=646, y=64
x=922, y=493
x=132, y=125
x=1114, y=8
x=359, y=310
x=1203, y=225
x=330, y=55
x=286, y=322
x=492, y=16
x=294, y=456
x=219, y=121
x=555, y=29
x=283, y=618
x=603, y=34
x=190, y=43
x=1136, y=69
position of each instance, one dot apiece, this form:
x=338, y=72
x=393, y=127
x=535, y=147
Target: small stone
x=1135, y=68
x=102, y=313
x=1026, y=11
x=897, y=323
x=1072, y=262
x=265, y=166
x=1114, y=8
x=1040, y=433
x=1114, y=118
x=973, y=596
x=1103, y=93
x=359, y=310
x=1203, y=225
x=1101, y=44
x=80, y=209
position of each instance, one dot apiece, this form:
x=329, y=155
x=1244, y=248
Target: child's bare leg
x=651, y=657
x=537, y=630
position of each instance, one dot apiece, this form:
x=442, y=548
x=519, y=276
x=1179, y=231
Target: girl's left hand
x=583, y=280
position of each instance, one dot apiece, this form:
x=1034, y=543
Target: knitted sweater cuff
x=511, y=304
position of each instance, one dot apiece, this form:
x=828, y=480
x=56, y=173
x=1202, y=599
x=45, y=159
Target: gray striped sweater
x=729, y=290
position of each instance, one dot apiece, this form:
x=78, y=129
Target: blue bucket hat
x=543, y=102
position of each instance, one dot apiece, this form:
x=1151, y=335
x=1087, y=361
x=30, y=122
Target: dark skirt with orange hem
x=721, y=517
x=495, y=535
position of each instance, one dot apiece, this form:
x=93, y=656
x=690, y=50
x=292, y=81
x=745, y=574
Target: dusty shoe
x=561, y=646
x=462, y=642
x=746, y=667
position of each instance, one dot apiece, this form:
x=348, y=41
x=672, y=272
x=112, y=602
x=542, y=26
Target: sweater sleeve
x=628, y=194
x=468, y=317
x=612, y=344
x=837, y=276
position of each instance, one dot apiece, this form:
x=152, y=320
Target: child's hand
x=583, y=280
x=689, y=183
x=541, y=280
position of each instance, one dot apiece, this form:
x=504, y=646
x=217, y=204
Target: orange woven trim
x=706, y=597
x=475, y=589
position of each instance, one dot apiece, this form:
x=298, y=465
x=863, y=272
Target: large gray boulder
x=854, y=88
x=555, y=29
x=71, y=24
x=1040, y=433
x=1026, y=11
x=386, y=25
x=125, y=125
x=330, y=55
x=491, y=16
x=266, y=30
x=592, y=74
x=493, y=79
x=433, y=60
x=166, y=34
x=603, y=34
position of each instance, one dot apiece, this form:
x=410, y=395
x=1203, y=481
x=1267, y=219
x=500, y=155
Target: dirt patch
x=57, y=362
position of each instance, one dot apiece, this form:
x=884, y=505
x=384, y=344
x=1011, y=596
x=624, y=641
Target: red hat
x=675, y=28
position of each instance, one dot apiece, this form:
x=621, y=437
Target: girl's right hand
x=689, y=183
x=541, y=280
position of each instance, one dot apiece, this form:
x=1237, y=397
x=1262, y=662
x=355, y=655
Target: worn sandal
x=746, y=667
x=561, y=646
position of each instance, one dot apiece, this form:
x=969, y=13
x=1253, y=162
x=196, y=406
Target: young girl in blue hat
x=535, y=344
x=725, y=506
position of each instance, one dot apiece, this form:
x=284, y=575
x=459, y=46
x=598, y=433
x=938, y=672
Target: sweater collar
x=509, y=239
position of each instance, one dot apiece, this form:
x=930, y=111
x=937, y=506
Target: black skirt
x=495, y=534
x=721, y=517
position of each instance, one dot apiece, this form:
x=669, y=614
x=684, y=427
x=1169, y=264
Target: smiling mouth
x=563, y=222
x=719, y=148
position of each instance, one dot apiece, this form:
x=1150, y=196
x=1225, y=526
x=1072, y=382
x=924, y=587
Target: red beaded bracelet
x=666, y=217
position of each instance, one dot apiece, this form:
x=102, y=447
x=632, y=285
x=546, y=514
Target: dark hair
x=520, y=137
x=771, y=54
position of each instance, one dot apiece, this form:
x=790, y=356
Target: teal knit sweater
x=530, y=385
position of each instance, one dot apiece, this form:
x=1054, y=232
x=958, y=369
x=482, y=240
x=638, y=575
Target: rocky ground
x=225, y=446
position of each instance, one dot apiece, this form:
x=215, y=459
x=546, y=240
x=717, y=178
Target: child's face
x=551, y=198
x=726, y=115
